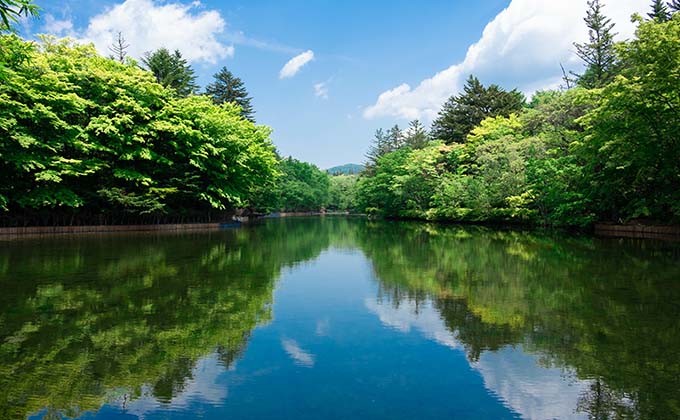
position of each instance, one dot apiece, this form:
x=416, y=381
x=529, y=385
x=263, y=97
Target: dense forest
x=604, y=147
x=109, y=140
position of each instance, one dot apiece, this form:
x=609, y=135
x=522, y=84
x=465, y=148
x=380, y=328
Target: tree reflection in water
x=94, y=319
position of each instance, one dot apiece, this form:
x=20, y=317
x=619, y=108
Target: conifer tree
x=379, y=148
x=395, y=138
x=659, y=11
x=674, y=6
x=171, y=70
x=229, y=88
x=598, y=53
x=461, y=113
x=416, y=136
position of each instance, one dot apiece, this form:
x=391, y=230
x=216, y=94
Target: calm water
x=339, y=318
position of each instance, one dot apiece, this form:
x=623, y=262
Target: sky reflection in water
x=339, y=318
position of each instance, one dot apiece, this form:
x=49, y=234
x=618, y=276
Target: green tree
x=674, y=6
x=342, y=192
x=12, y=10
x=632, y=148
x=376, y=189
x=659, y=12
x=460, y=114
x=300, y=187
x=228, y=88
x=91, y=140
x=416, y=136
x=395, y=138
x=171, y=70
x=598, y=53
x=379, y=148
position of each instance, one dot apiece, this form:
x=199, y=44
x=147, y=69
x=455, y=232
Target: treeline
x=605, y=147
x=87, y=139
x=303, y=187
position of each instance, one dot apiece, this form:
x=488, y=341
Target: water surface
x=339, y=318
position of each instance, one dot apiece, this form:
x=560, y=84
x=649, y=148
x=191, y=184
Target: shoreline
x=602, y=230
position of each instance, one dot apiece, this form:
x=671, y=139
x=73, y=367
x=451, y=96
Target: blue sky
x=375, y=63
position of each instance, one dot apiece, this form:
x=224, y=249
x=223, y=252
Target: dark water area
x=329, y=318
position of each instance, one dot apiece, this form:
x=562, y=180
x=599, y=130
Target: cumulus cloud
x=148, y=25
x=522, y=47
x=293, y=66
x=321, y=90
x=59, y=27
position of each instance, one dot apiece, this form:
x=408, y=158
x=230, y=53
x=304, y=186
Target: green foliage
x=343, y=192
x=171, y=70
x=416, y=136
x=300, y=187
x=228, y=88
x=87, y=135
x=12, y=10
x=659, y=12
x=376, y=190
x=633, y=145
x=460, y=114
x=609, y=153
x=598, y=53
x=674, y=6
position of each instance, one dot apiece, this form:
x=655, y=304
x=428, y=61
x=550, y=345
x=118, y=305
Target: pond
x=309, y=318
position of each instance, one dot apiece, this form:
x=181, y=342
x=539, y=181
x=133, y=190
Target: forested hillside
x=348, y=169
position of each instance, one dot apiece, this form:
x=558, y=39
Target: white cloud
x=58, y=27
x=321, y=90
x=522, y=47
x=422, y=317
x=294, y=65
x=148, y=25
x=299, y=356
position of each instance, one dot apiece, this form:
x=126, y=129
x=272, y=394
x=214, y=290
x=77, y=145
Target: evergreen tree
x=659, y=12
x=674, y=6
x=460, y=114
x=118, y=48
x=396, y=138
x=598, y=54
x=171, y=70
x=416, y=136
x=379, y=148
x=228, y=88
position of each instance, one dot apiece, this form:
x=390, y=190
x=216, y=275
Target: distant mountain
x=349, y=169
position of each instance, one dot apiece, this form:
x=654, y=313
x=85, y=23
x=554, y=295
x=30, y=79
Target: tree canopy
x=171, y=70
x=461, y=113
x=93, y=140
x=607, y=150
